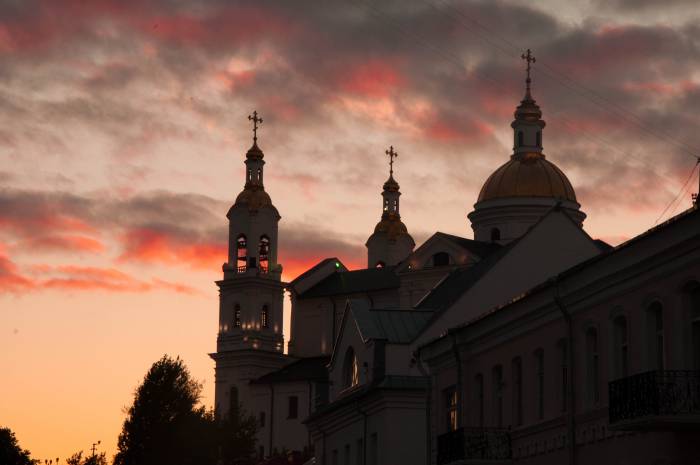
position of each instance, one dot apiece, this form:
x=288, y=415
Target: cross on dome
x=254, y=118
x=392, y=154
x=530, y=58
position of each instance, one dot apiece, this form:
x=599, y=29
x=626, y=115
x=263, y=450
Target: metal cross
x=392, y=155
x=530, y=59
x=255, y=121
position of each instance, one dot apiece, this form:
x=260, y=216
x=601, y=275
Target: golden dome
x=254, y=198
x=527, y=175
x=392, y=225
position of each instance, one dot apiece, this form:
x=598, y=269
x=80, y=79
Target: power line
x=683, y=189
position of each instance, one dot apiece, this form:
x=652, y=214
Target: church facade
x=532, y=342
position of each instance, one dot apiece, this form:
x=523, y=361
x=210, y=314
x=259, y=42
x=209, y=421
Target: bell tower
x=250, y=342
x=390, y=243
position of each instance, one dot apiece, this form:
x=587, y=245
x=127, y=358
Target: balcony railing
x=655, y=400
x=474, y=444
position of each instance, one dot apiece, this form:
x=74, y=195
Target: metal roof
x=353, y=282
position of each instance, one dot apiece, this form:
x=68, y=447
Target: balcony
x=656, y=401
x=474, y=445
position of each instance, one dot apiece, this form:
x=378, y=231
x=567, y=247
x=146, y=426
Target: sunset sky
x=123, y=129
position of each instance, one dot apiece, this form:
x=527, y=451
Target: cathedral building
x=531, y=343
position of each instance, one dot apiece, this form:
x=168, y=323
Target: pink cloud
x=373, y=78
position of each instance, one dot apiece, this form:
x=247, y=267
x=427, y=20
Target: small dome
x=391, y=185
x=254, y=152
x=253, y=198
x=392, y=226
x=527, y=175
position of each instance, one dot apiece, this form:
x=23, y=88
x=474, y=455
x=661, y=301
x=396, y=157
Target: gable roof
x=310, y=368
x=396, y=326
x=353, y=282
x=478, y=248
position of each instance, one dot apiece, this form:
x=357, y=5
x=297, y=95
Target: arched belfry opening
x=264, y=253
x=242, y=253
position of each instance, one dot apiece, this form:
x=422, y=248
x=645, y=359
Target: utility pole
x=94, y=447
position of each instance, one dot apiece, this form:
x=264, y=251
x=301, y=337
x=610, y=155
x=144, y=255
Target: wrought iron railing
x=663, y=392
x=474, y=444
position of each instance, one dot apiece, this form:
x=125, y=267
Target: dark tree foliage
x=167, y=425
x=78, y=459
x=10, y=451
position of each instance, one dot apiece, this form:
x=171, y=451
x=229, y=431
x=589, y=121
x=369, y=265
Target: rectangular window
x=450, y=399
x=373, y=450
x=517, y=391
x=293, y=407
x=261, y=452
x=497, y=379
x=539, y=370
x=334, y=460
x=359, y=456
x=479, y=398
x=592, y=356
x=347, y=454
x=564, y=356
x=262, y=419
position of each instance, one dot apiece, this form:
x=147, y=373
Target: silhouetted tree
x=167, y=425
x=78, y=459
x=10, y=451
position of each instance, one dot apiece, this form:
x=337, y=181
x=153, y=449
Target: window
x=236, y=316
x=521, y=139
x=359, y=455
x=259, y=175
x=386, y=205
x=539, y=388
x=564, y=363
x=517, y=391
x=479, y=398
x=347, y=454
x=261, y=452
x=293, y=407
x=373, y=449
x=241, y=253
x=497, y=386
x=620, y=346
x=261, y=422
x=351, y=369
x=441, y=259
x=264, y=253
x=335, y=457
x=380, y=264
x=592, y=367
x=265, y=317
x=450, y=398
x=539, y=138
x=495, y=234
x=655, y=322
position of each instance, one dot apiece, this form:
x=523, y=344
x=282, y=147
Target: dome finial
x=254, y=118
x=392, y=154
x=530, y=58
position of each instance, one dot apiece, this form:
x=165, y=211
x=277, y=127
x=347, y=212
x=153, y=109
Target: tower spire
x=529, y=58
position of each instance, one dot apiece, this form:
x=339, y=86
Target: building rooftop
x=305, y=369
x=353, y=282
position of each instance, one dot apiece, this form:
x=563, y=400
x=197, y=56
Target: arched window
x=655, y=335
x=386, y=205
x=259, y=175
x=592, y=367
x=441, y=259
x=264, y=317
x=497, y=378
x=539, y=138
x=539, y=382
x=351, y=369
x=620, y=348
x=495, y=234
x=380, y=264
x=563, y=347
x=264, y=253
x=517, y=391
x=521, y=139
x=479, y=399
x=237, y=316
x=241, y=252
